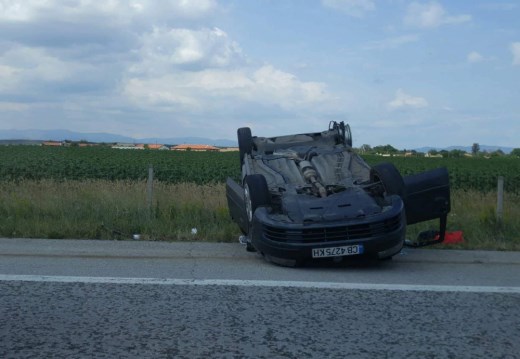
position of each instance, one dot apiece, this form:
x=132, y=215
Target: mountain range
x=62, y=135
x=483, y=148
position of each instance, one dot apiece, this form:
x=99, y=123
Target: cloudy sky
x=406, y=73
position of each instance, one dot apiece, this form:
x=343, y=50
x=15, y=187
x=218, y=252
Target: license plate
x=337, y=251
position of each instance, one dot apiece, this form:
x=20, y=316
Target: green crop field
x=479, y=174
x=78, y=163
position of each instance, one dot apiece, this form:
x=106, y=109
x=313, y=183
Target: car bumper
x=381, y=236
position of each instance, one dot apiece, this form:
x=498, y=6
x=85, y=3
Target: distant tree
x=365, y=148
x=388, y=149
x=445, y=154
x=456, y=153
x=378, y=149
x=433, y=152
x=475, y=149
x=515, y=152
x=497, y=153
x=391, y=149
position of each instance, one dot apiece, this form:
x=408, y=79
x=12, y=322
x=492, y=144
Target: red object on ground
x=452, y=237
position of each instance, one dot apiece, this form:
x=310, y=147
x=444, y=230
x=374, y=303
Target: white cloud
x=165, y=48
x=206, y=89
x=287, y=90
x=403, y=100
x=392, y=43
x=356, y=8
x=30, y=71
x=27, y=10
x=515, y=49
x=17, y=11
x=203, y=69
x=122, y=64
x=22, y=65
x=474, y=57
x=7, y=71
x=430, y=15
x=91, y=28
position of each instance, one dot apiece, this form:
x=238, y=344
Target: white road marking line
x=261, y=283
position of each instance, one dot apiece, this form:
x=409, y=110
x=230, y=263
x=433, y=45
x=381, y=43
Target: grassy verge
x=474, y=213
x=101, y=209
x=117, y=210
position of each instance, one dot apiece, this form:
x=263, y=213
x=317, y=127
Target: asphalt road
x=106, y=299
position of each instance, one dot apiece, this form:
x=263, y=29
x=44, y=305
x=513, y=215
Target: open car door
x=236, y=204
x=428, y=197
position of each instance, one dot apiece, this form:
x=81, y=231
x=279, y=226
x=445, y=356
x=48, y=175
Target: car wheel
x=256, y=194
x=348, y=135
x=344, y=134
x=389, y=176
x=245, y=142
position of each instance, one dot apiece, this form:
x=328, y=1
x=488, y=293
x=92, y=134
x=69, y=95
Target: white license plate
x=337, y=251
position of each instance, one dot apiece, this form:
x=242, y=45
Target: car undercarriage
x=310, y=195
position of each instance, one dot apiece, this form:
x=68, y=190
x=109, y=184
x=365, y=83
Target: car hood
x=353, y=203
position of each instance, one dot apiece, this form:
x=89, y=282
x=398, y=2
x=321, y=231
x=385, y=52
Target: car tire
x=390, y=177
x=348, y=135
x=344, y=135
x=245, y=142
x=256, y=194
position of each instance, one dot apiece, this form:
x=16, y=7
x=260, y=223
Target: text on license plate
x=337, y=251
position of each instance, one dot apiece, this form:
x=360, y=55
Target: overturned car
x=309, y=196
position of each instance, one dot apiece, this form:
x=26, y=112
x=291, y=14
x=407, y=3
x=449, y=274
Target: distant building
x=140, y=146
x=229, y=149
x=157, y=147
x=127, y=146
x=200, y=148
x=52, y=143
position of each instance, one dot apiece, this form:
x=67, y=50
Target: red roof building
x=186, y=147
x=52, y=143
x=156, y=146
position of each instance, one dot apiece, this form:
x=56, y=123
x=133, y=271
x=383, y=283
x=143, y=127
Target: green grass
x=101, y=209
x=474, y=213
